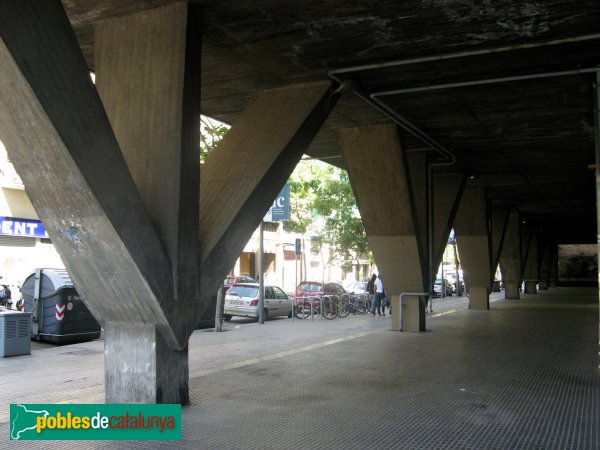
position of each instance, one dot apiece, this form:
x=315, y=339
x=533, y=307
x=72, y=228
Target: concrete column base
x=543, y=286
x=479, y=297
x=511, y=290
x=407, y=317
x=141, y=368
x=530, y=287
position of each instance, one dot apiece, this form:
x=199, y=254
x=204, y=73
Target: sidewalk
x=522, y=375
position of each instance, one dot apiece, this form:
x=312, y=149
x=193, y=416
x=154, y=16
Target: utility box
x=58, y=314
x=14, y=333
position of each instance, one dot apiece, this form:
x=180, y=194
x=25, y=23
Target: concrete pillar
x=510, y=257
x=531, y=267
x=498, y=223
x=391, y=190
x=546, y=264
x=554, y=267
x=378, y=173
x=159, y=376
x=161, y=111
x=58, y=136
x=266, y=142
x=472, y=238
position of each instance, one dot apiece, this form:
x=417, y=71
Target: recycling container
x=58, y=314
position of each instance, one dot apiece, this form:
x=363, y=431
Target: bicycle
x=306, y=307
x=329, y=307
x=343, y=305
x=358, y=304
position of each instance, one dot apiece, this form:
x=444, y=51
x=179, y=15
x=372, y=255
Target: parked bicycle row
x=331, y=306
x=242, y=300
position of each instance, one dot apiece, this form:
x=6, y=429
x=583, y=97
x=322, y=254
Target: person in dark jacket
x=371, y=289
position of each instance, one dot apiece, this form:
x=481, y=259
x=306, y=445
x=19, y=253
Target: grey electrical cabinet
x=14, y=333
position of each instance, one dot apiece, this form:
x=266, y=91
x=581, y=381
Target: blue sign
x=13, y=226
x=280, y=210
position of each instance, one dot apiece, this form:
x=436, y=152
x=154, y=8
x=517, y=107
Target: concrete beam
x=265, y=143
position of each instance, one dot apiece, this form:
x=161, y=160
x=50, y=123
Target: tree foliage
x=578, y=266
x=211, y=133
x=324, y=207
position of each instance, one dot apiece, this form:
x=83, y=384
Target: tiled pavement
x=524, y=375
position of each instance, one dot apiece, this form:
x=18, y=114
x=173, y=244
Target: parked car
x=437, y=288
x=230, y=280
x=242, y=300
x=357, y=287
x=316, y=288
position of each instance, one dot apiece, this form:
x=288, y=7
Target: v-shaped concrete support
x=391, y=191
x=242, y=177
x=61, y=142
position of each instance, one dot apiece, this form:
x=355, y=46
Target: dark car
x=437, y=288
x=230, y=280
x=316, y=288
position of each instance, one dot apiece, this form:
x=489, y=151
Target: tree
x=211, y=133
x=323, y=206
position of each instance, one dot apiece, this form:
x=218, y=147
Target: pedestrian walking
x=371, y=290
x=378, y=297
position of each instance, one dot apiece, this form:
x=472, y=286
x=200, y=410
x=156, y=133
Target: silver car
x=242, y=300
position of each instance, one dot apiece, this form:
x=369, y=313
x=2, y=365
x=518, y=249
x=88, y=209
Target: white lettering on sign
x=7, y=227
x=22, y=227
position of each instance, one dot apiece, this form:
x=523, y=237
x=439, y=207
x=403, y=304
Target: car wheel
x=227, y=317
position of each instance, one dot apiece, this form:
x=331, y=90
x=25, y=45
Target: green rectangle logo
x=40, y=422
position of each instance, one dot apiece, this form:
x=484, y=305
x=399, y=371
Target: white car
x=242, y=300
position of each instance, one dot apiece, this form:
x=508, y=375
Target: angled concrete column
x=510, y=257
x=531, y=265
x=128, y=265
x=266, y=142
x=498, y=221
x=448, y=191
x=472, y=238
x=153, y=104
x=378, y=174
x=554, y=267
x=391, y=192
x=547, y=249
